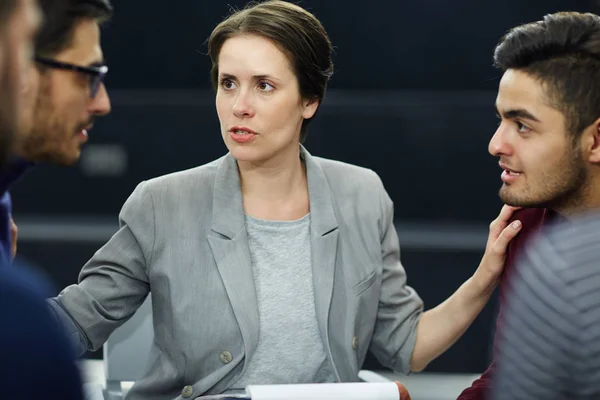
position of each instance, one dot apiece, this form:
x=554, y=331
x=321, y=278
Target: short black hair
x=60, y=17
x=563, y=52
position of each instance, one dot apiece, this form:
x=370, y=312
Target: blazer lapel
x=229, y=244
x=324, y=240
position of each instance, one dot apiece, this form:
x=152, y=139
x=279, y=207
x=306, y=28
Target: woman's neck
x=277, y=190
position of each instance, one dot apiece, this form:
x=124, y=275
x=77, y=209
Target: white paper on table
x=326, y=391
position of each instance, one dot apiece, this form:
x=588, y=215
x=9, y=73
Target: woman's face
x=258, y=100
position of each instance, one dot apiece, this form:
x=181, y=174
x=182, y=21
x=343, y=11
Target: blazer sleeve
x=400, y=307
x=114, y=282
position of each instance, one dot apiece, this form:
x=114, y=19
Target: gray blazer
x=183, y=237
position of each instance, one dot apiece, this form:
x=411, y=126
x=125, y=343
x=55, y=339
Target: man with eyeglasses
x=36, y=358
x=63, y=96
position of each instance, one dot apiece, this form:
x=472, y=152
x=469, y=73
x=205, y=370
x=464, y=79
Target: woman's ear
x=310, y=108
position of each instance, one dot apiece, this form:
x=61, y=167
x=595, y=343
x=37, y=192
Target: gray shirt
x=550, y=335
x=289, y=349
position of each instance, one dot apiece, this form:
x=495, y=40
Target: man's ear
x=591, y=142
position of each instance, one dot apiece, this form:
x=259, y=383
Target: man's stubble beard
x=37, y=143
x=8, y=108
x=563, y=189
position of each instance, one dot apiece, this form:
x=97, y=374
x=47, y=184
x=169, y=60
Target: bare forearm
x=440, y=327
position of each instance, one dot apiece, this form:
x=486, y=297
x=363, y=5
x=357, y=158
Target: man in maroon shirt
x=548, y=140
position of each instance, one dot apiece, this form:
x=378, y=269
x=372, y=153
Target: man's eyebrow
x=518, y=113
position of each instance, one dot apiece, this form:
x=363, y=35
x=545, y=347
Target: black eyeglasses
x=96, y=73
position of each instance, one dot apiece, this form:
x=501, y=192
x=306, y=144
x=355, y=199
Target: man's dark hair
x=60, y=18
x=563, y=52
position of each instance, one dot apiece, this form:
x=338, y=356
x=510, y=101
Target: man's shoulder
x=25, y=280
x=23, y=293
x=532, y=220
x=32, y=342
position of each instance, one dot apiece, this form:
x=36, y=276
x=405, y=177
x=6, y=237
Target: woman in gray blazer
x=268, y=265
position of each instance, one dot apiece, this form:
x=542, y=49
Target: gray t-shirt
x=290, y=348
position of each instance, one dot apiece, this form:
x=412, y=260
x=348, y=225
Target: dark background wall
x=412, y=98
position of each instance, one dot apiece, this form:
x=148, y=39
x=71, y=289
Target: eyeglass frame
x=97, y=73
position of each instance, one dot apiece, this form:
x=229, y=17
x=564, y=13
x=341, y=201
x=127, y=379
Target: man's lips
x=509, y=170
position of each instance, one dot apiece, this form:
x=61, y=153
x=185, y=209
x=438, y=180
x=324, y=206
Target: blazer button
x=355, y=343
x=187, y=391
x=226, y=357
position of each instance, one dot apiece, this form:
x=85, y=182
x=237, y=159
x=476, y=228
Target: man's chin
x=69, y=160
x=515, y=201
x=508, y=197
x=62, y=159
